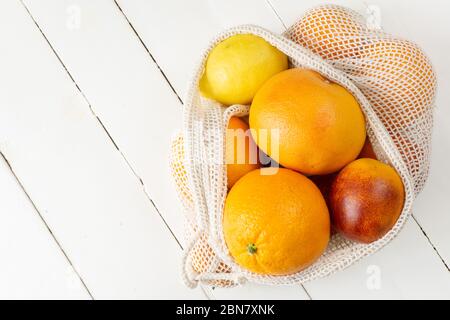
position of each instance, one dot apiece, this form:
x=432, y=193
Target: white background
x=90, y=96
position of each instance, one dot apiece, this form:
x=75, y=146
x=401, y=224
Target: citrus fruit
x=241, y=157
x=178, y=171
x=241, y=151
x=366, y=200
x=416, y=154
x=204, y=261
x=399, y=81
x=238, y=66
x=275, y=224
x=331, y=31
x=319, y=124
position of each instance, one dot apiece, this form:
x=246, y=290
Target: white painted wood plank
x=33, y=266
x=176, y=31
x=243, y=289
x=128, y=93
x=124, y=86
x=77, y=179
x=290, y=10
x=405, y=269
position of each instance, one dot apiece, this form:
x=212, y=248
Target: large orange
x=275, y=224
x=241, y=151
x=320, y=125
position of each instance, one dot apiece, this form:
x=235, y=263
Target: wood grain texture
x=140, y=115
x=124, y=89
x=176, y=32
x=33, y=266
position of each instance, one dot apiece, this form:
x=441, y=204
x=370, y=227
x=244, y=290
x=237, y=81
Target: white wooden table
x=90, y=96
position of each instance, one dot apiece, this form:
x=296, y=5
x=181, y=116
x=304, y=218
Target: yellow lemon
x=238, y=66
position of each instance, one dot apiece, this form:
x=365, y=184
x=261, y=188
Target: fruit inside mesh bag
x=394, y=74
x=202, y=257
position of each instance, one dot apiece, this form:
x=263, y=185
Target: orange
x=399, y=81
x=178, y=171
x=275, y=224
x=203, y=261
x=203, y=255
x=241, y=151
x=333, y=32
x=241, y=157
x=320, y=125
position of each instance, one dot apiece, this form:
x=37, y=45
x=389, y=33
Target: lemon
x=238, y=66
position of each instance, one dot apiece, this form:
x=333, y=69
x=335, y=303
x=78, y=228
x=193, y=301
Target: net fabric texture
x=393, y=82
x=394, y=74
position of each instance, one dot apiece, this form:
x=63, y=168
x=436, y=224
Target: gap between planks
x=206, y=291
x=2, y=155
x=101, y=123
x=148, y=51
x=171, y=85
x=111, y=140
x=269, y=3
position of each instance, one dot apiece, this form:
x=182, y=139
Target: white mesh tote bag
x=395, y=85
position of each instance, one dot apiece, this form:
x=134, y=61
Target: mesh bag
x=392, y=80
